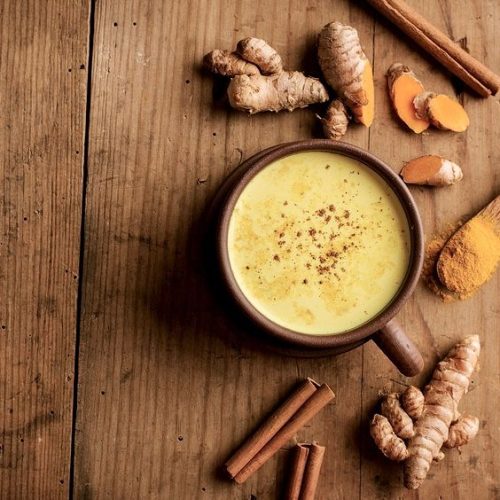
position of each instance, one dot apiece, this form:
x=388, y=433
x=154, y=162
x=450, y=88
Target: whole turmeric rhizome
x=415, y=427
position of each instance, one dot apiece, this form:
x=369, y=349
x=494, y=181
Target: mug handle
x=398, y=347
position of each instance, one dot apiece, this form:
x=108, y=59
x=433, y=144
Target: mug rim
x=365, y=330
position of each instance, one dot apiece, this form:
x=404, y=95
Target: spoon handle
x=492, y=212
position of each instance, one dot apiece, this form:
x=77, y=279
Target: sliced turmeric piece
x=431, y=170
x=347, y=69
x=364, y=114
x=404, y=86
x=442, y=111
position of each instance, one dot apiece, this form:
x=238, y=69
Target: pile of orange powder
x=459, y=261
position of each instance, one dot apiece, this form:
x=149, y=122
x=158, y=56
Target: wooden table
x=121, y=373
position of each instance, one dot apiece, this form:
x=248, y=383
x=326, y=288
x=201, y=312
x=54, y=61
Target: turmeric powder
x=429, y=275
x=456, y=265
x=470, y=257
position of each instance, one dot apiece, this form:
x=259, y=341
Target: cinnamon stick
x=321, y=397
x=294, y=486
x=460, y=63
x=270, y=427
x=312, y=470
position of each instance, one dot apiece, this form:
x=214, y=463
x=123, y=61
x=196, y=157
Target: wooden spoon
x=471, y=255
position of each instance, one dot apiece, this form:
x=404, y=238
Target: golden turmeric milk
x=318, y=243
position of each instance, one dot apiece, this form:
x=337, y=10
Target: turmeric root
x=335, y=121
x=412, y=401
x=450, y=381
x=225, y=63
x=287, y=90
x=260, y=53
x=462, y=431
x=438, y=423
x=431, y=170
x=400, y=421
x=347, y=70
x=275, y=90
x=386, y=439
x=403, y=87
x=442, y=111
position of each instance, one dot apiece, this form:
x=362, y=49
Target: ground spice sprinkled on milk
x=318, y=243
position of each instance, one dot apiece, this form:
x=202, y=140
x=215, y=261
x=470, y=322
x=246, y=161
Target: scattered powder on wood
x=429, y=275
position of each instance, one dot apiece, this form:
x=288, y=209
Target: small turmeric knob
x=385, y=438
x=412, y=401
x=398, y=418
x=462, y=431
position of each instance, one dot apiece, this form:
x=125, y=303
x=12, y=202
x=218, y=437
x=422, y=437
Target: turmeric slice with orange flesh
x=365, y=113
x=404, y=86
x=431, y=170
x=442, y=111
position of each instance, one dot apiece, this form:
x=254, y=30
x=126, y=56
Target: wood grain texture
x=168, y=386
x=43, y=54
x=435, y=326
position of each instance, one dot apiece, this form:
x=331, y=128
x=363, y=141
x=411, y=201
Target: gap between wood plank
x=85, y=168
x=361, y=450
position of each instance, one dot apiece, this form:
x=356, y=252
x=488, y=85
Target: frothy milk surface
x=318, y=243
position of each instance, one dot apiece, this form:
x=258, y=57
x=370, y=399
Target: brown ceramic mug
x=383, y=328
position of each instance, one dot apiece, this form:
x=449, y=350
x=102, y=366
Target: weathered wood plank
x=167, y=385
x=166, y=388
x=43, y=56
x=433, y=325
